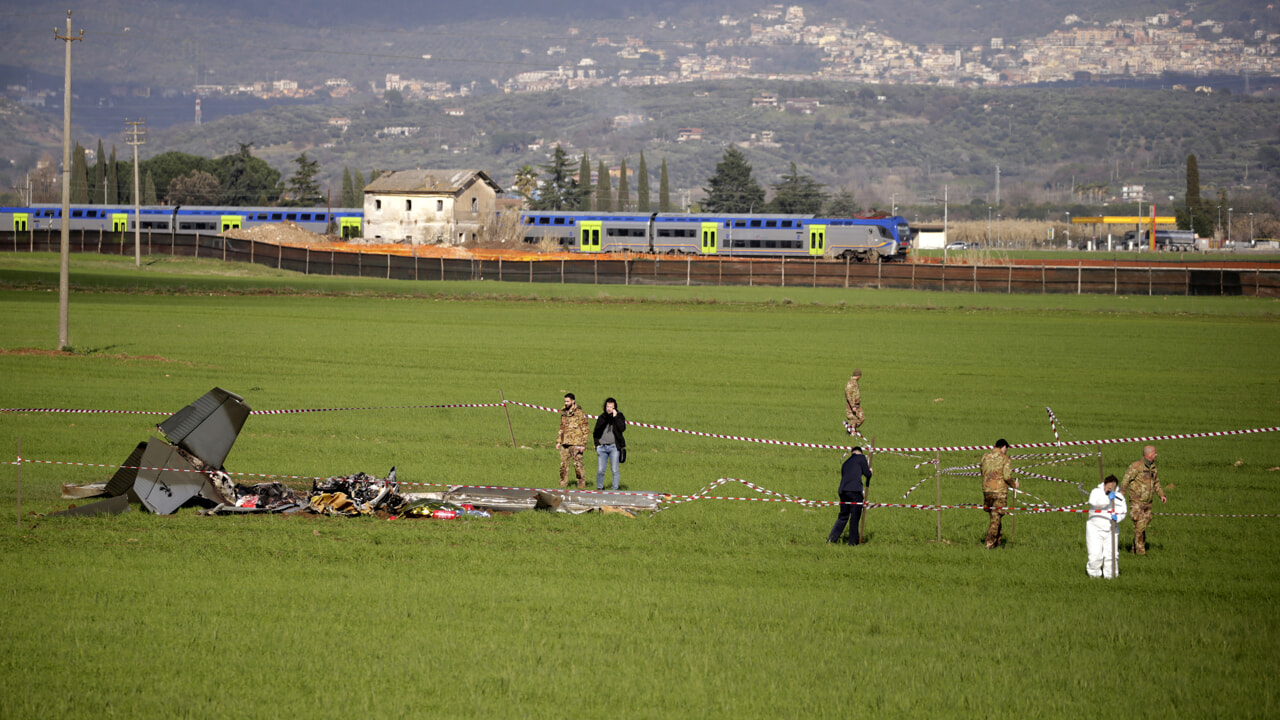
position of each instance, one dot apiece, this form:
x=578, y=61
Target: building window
x=377, y=204
x=439, y=206
x=408, y=205
x=475, y=205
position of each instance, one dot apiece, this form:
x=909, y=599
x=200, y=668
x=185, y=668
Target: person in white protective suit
x=1107, y=508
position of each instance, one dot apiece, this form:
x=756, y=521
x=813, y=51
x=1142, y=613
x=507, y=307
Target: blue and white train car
x=744, y=235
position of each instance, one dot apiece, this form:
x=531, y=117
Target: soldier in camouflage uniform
x=853, y=401
x=572, y=440
x=997, y=478
x=1140, y=485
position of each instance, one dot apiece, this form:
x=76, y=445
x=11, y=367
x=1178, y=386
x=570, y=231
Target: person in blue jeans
x=609, y=441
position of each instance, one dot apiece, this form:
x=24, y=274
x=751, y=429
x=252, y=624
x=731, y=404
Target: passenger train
x=756, y=235
x=764, y=235
x=181, y=218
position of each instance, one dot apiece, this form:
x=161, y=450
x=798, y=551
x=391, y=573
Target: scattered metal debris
x=185, y=468
x=565, y=501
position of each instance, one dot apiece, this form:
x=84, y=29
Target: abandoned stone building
x=429, y=206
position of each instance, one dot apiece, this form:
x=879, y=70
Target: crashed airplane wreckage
x=186, y=469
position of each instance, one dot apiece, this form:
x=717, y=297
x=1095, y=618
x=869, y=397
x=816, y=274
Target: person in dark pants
x=851, y=474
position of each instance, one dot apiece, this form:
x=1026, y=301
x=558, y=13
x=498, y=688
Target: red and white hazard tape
x=251, y=412
x=385, y=407
x=144, y=467
x=821, y=446
x=83, y=411
x=1053, y=425
x=942, y=448
x=705, y=434
x=674, y=500
x=1081, y=443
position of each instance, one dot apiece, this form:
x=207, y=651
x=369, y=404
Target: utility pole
x=135, y=140
x=64, y=261
x=997, y=185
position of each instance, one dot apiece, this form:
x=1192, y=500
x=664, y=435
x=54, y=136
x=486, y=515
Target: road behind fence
x=1114, y=279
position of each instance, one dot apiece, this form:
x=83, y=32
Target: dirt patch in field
x=38, y=352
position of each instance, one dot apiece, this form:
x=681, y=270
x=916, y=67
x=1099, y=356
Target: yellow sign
x=1123, y=220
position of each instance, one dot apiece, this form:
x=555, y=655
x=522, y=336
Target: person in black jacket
x=609, y=441
x=851, y=474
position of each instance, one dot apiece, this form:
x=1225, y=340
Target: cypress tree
x=129, y=189
x=357, y=186
x=98, y=179
x=584, y=184
x=348, y=190
x=149, y=190
x=79, y=176
x=664, y=190
x=604, y=193
x=624, y=191
x=1196, y=218
x=113, y=181
x=642, y=186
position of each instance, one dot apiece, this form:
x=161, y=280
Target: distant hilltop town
x=1168, y=42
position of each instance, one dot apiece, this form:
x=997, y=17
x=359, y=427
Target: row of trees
x=238, y=179
x=732, y=189
x=560, y=189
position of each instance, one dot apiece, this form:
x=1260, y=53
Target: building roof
x=449, y=182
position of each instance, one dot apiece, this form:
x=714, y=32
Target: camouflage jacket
x=1141, y=482
x=573, y=428
x=852, y=393
x=997, y=471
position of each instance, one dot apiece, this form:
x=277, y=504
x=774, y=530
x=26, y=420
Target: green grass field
x=709, y=609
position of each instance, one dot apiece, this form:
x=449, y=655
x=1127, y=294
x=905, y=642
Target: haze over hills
x=176, y=44
x=402, y=84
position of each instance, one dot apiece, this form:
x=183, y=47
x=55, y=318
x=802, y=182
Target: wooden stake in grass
x=19, y=483
x=1013, y=505
x=507, y=411
x=866, y=495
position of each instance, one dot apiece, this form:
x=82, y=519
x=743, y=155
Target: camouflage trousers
x=854, y=416
x=997, y=505
x=574, y=453
x=1141, y=514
